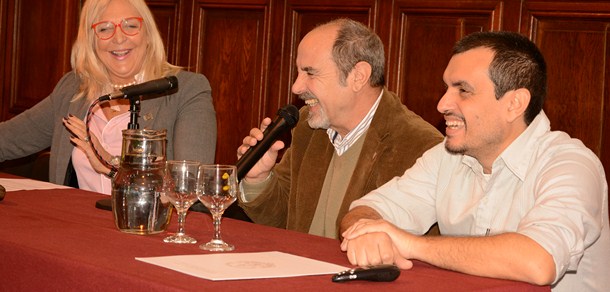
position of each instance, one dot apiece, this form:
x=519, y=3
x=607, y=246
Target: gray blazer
x=188, y=116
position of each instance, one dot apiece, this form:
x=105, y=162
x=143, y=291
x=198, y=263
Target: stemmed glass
x=180, y=187
x=217, y=190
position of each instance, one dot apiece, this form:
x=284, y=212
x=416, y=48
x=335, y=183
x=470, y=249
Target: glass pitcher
x=137, y=201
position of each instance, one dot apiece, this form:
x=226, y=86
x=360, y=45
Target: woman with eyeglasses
x=118, y=45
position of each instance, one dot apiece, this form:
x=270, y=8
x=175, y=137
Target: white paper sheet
x=21, y=184
x=236, y=266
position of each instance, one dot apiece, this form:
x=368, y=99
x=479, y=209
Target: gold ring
x=86, y=139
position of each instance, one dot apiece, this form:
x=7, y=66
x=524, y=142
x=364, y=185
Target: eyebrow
x=309, y=69
x=463, y=84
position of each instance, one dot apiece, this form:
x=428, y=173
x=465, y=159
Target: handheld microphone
x=150, y=87
x=287, y=118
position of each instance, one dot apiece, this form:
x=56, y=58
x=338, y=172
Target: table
x=58, y=240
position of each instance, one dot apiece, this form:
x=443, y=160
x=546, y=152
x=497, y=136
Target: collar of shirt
x=517, y=155
x=519, y=152
x=341, y=144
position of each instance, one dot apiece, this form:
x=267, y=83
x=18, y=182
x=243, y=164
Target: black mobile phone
x=377, y=273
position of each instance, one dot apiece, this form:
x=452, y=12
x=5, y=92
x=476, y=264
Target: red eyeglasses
x=129, y=26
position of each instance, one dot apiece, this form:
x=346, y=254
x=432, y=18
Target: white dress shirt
x=545, y=185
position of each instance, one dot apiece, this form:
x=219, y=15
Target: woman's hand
x=82, y=141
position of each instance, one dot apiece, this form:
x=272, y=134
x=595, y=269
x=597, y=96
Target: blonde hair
x=92, y=72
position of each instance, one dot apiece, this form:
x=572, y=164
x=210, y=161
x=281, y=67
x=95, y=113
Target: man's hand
x=374, y=242
x=508, y=255
x=260, y=171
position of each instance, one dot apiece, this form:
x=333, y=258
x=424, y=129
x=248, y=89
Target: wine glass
x=217, y=190
x=180, y=187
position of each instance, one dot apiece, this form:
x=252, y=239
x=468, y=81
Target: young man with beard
x=512, y=199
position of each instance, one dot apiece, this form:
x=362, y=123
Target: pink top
x=110, y=135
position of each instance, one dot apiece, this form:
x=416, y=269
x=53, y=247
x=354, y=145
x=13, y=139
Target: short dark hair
x=517, y=63
x=356, y=42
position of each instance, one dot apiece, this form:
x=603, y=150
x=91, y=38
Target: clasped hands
x=374, y=242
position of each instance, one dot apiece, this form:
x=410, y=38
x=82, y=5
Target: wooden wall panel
x=39, y=51
x=4, y=58
x=232, y=42
x=575, y=41
x=167, y=19
x=247, y=49
x=423, y=34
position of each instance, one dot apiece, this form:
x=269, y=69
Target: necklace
x=120, y=86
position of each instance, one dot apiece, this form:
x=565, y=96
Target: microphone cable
x=154, y=86
x=113, y=169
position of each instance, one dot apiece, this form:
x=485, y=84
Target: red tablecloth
x=58, y=240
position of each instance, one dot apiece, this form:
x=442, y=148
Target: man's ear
x=518, y=102
x=360, y=75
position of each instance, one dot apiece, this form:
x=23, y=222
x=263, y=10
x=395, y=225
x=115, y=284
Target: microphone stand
x=134, y=110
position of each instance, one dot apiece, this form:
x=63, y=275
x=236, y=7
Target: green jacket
x=395, y=139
